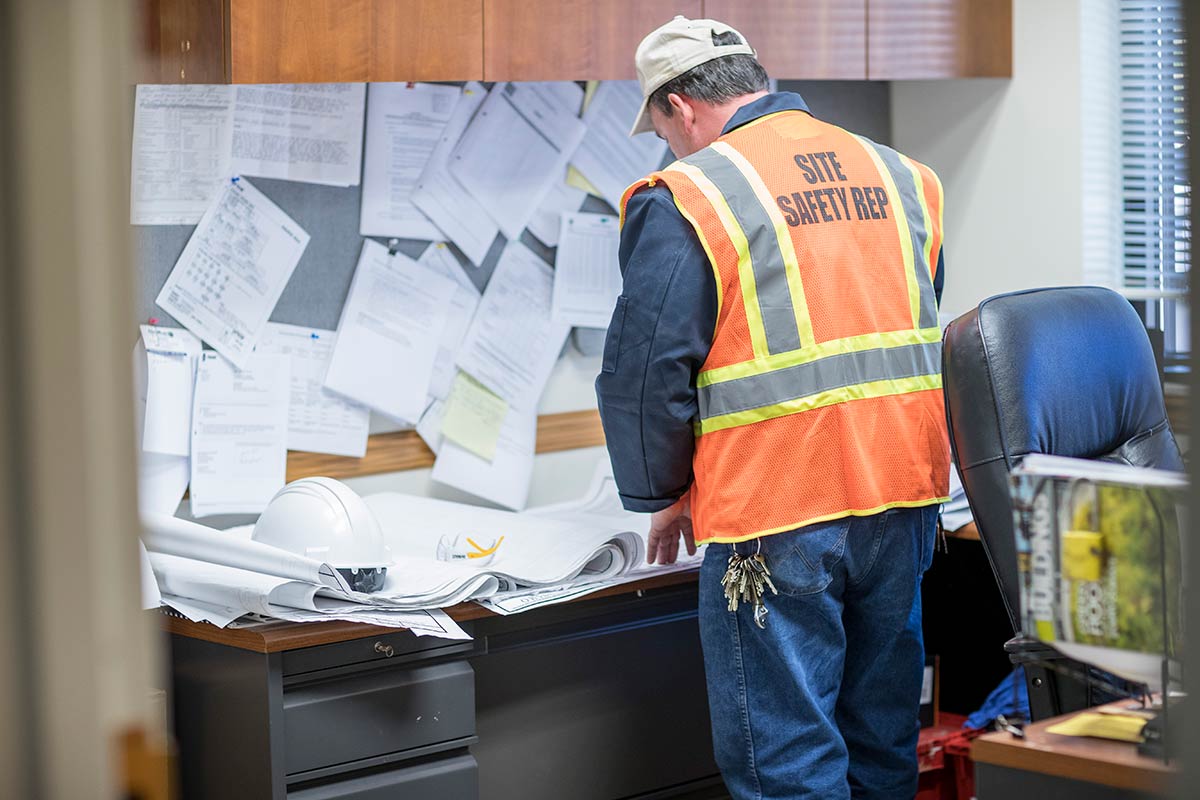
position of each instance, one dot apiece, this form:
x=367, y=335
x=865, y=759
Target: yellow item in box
x=1082, y=555
x=1118, y=727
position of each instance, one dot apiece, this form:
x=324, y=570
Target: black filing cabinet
x=593, y=700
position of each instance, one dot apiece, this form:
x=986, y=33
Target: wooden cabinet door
x=182, y=41
x=939, y=39
x=299, y=41
x=537, y=40
x=427, y=40
x=801, y=38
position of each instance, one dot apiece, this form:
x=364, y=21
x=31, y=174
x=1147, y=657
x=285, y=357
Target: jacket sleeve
x=659, y=337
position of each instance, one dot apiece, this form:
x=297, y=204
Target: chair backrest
x=1068, y=372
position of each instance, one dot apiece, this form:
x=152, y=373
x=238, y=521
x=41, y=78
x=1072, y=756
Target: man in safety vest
x=771, y=381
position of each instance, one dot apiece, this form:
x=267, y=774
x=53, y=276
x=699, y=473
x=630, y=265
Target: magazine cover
x=1099, y=550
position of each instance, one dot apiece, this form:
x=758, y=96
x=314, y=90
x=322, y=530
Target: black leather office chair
x=1067, y=372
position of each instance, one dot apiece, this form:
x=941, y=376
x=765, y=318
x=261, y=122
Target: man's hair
x=715, y=82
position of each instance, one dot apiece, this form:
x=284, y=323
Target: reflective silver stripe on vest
x=822, y=375
x=913, y=211
x=770, y=279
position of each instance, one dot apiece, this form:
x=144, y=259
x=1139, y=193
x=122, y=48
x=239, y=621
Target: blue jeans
x=823, y=702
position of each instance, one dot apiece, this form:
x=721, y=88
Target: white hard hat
x=324, y=519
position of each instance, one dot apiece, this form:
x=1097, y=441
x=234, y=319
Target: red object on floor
x=944, y=756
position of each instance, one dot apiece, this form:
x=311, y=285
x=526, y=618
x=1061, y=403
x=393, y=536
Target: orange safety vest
x=821, y=397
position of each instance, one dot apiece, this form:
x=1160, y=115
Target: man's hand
x=665, y=529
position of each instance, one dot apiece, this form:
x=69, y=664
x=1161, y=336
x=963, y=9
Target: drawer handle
x=385, y=649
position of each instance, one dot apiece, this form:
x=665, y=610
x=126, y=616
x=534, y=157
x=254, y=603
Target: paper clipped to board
x=404, y=124
x=443, y=199
x=239, y=434
x=587, y=274
x=512, y=343
x=459, y=312
x=181, y=149
x=609, y=157
x=233, y=269
x=516, y=147
x=319, y=421
x=162, y=479
x=171, y=355
x=473, y=417
x=503, y=480
x=388, y=336
x=546, y=221
x=310, y=132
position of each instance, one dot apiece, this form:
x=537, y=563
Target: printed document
x=181, y=144
x=162, y=479
x=239, y=434
x=429, y=427
x=389, y=333
x=458, y=315
x=512, y=343
x=473, y=417
x=310, y=132
x=505, y=479
x=609, y=157
x=171, y=355
x=405, y=121
x=444, y=200
x=587, y=275
x=319, y=421
x=233, y=269
x=515, y=149
x=547, y=220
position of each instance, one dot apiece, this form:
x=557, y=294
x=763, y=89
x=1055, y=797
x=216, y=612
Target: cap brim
x=642, y=124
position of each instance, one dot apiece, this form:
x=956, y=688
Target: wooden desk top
x=275, y=637
x=1115, y=764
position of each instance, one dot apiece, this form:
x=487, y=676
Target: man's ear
x=683, y=107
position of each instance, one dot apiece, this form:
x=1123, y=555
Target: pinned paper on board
x=587, y=275
x=233, y=269
x=474, y=416
x=171, y=355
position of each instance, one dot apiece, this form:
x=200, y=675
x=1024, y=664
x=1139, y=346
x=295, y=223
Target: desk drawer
x=454, y=778
x=376, y=712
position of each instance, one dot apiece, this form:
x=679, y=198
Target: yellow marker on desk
x=464, y=548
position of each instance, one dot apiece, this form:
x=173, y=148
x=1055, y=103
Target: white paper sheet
x=440, y=196
x=515, y=149
x=171, y=355
x=162, y=479
x=432, y=622
x=404, y=124
x=609, y=157
x=429, y=428
x=239, y=434
x=319, y=421
x=458, y=315
x=512, y=343
x=310, y=132
x=233, y=269
x=587, y=274
x=547, y=220
x=169, y=535
x=197, y=611
x=181, y=145
x=389, y=333
x=229, y=587
x=151, y=596
x=505, y=479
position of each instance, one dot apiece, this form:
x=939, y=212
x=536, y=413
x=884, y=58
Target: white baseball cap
x=673, y=49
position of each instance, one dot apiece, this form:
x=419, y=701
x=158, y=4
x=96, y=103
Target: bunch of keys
x=745, y=581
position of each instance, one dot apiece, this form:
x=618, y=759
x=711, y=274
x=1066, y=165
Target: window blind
x=1155, y=190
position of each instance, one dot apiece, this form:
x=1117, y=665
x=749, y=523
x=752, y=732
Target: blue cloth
x=660, y=335
x=1010, y=698
x=823, y=702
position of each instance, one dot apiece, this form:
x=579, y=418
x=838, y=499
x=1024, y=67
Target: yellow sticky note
x=575, y=178
x=474, y=416
x=1101, y=726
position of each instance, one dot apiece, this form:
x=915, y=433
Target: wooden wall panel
x=925, y=39
x=427, y=40
x=807, y=39
x=535, y=40
x=299, y=41
x=404, y=450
